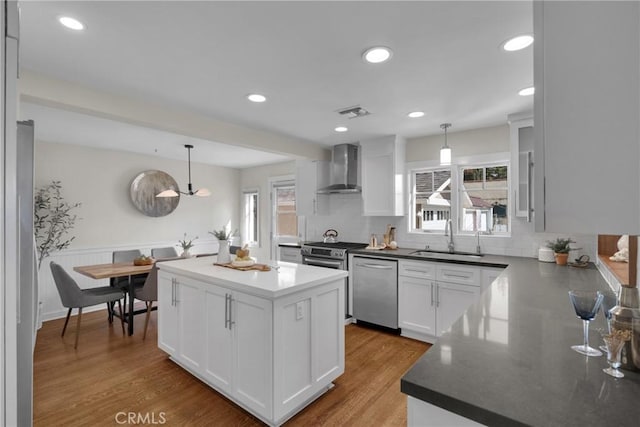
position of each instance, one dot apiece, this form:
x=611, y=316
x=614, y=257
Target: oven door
x=336, y=264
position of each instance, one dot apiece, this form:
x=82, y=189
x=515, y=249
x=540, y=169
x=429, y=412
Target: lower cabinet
x=432, y=295
x=270, y=356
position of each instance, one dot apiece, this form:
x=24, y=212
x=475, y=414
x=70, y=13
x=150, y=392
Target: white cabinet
x=586, y=109
x=311, y=175
x=270, y=356
x=290, y=254
x=383, y=176
x=489, y=275
x=452, y=300
x=433, y=295
x=521, y=136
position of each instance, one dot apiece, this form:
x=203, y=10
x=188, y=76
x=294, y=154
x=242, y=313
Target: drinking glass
x=586, y=304
x=609, y=300
x=614, y=343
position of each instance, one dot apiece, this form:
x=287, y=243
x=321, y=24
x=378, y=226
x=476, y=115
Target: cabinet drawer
x=426, y=270
x=458, y=274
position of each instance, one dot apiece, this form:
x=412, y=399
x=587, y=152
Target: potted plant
x=561, y=248
x=223, y=235
x=186, y=245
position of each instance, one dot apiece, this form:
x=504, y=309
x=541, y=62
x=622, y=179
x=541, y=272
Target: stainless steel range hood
x=344, y=170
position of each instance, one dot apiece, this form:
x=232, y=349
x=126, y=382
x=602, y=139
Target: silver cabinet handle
x=416, y=271
x=461, y=276
x=231, y=321
x=431, y=294
x=377, y=266
x=226, y=311
x=437, y=296
x=173, y=291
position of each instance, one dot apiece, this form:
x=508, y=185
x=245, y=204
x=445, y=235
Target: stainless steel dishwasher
x=375, y=291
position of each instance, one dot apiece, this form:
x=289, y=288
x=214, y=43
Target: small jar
x=374, y=241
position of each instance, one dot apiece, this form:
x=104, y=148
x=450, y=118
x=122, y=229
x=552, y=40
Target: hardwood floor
x=110, y=376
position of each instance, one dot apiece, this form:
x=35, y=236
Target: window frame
x=480, y=161
x=249, y=192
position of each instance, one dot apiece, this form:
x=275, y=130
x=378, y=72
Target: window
x=250, y=223
x=286, y=221
x=475, y=199
x=484, y=199
x=432, y=195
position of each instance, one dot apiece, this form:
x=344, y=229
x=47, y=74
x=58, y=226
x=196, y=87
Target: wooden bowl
x=143, y=261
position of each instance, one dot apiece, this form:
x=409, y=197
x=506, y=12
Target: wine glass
x=609, y=301
x=614, y=343
x=586, y=304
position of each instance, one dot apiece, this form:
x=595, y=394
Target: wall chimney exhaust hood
x=344, y=170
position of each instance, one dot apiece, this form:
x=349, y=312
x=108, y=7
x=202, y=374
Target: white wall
x=467, y=143
x=101, y=180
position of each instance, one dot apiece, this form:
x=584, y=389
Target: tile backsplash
x=346, y=217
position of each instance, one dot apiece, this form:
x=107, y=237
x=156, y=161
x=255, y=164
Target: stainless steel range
x=331, y=255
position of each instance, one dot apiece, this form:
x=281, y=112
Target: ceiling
x=305, y=56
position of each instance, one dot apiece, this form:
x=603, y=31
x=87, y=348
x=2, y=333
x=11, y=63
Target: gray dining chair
x=73, y=296
x=149, y=292
x=168, y=252
x=123, y=282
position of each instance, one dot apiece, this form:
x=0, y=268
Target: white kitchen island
x=272, y=342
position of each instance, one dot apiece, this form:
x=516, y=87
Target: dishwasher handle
x=376, y=266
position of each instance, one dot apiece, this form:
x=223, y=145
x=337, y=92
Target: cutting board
x=258, y=267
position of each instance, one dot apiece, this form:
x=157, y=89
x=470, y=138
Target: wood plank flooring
x=109, y=376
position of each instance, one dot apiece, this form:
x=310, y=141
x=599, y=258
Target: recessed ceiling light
x=341, y=129
x=517, y=43
x=527, y=91
x=256, y=97
x=415, y=114
x=377, y=54
x=71, y=23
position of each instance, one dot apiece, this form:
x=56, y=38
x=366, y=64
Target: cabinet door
x=521, y=135
x=452, y=300
x=383, y=176
x=219, y=349
x=251, y=323
x=586, y=117
x=190, y=301
x=416, y=305
x=489, y=275
x=167, y=315
x=311, y=176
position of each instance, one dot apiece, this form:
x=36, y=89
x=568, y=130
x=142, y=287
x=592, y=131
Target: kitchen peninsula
x=270, y=341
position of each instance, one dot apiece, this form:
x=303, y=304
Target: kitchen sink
x=429, y=253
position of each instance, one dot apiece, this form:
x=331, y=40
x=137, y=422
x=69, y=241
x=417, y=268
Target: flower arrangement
x=224, y=233
x=560, y=245
x=186, y=244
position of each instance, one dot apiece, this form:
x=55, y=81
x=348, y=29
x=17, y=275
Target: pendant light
x=202, y=192
x=445, y=151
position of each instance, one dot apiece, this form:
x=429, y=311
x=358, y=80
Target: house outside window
x=432, y=199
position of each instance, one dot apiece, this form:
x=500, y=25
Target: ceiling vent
x=353, y=112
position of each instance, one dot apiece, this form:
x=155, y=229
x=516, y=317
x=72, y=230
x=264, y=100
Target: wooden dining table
x=118, y=269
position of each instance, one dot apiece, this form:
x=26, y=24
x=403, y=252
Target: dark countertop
x=508, y=360
x=405, y=253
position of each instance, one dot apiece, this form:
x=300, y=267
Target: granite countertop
x=290, y=245
x=406, y=253
x=286, y=279
x=508, y=360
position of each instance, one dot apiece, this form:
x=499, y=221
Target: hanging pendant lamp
x=202, y=192
x=445, y=151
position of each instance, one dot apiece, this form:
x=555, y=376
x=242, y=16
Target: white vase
x=223, y=252
x=186, y=254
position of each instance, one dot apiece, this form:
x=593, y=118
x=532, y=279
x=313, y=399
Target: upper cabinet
x=521, y=136
x=383, y=176
x=311, y=175
x=586, y=110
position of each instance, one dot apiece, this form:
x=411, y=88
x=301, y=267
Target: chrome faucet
x=448, y=231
